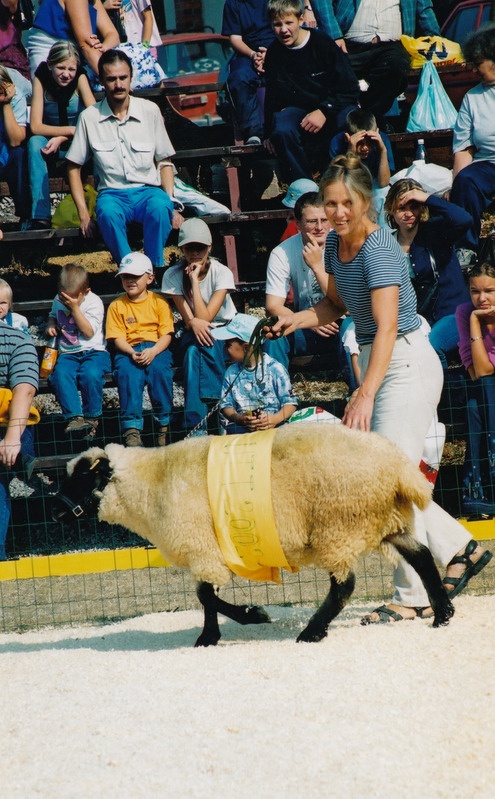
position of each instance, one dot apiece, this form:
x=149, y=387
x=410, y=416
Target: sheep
x=336, y=493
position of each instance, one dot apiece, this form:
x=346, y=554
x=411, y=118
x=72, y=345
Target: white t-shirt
x=70, y=338
x=218, y=277
x=133, y=21
x=285, y=265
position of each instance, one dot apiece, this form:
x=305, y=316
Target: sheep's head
x=81, y=491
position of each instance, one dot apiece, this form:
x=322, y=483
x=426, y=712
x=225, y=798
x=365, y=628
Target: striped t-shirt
x=18, y=359
x=379, y=263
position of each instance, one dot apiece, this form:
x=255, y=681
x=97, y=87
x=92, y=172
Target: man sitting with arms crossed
x=130, y=147
x=299, y=261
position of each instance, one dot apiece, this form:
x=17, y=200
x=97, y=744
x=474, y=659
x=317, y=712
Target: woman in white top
x=199, y=286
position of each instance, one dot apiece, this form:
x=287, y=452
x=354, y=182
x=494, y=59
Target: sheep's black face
x=79, y=494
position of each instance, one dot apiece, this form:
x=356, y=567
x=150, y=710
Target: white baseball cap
x=135, y=263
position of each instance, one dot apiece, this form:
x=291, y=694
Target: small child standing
x=7, y=315
x=141, y=326
x=256, y=391
x=476, y=326
x=76, y=319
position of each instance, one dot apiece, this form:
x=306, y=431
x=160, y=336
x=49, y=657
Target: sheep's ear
x=96, y=467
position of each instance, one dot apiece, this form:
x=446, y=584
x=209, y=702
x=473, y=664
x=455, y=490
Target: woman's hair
x=62, y=51
x=484, y=269
x=278, y=9
x=349, y=170
x=5, y=79
x=480, y=45
x=73, y=278
x=4, y=286
x=394, y=199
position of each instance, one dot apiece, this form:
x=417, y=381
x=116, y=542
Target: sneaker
x=92, y=429
x=77, y=423
x=253, y=140
x=161, y=439
x=132, y=437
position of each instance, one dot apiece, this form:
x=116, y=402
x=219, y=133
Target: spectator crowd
x=375, y=271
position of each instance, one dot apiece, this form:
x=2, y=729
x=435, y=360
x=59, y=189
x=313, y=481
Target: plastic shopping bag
x=434, y=179
x=66, y=212
x=432, y=48
x=432, y=109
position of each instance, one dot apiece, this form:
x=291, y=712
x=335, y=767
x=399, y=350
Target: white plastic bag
x=434, y=179
x=192, y=198
x=432, y=109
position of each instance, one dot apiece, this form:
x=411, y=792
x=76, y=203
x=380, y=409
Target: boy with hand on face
x=310, y=88
x=76, y=320
x=140, y=324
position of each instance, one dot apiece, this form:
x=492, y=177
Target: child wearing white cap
x=199, y=286
x=141, y=326
x=256, y=393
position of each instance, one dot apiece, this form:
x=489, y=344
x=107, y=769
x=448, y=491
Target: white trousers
x=405, y=406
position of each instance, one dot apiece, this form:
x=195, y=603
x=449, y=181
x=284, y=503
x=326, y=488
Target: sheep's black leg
x=420, y=558
x=212, y=604
x=211, y=631
x=337, y=598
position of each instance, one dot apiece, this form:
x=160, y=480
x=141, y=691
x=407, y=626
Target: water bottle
x=420, y=151
x=49, y=357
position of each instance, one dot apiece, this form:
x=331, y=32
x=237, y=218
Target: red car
x=195, y=59
x=465, y=18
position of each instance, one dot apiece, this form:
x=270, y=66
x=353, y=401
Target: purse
x=427, y=291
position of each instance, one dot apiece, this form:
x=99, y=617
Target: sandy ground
x=132, y=710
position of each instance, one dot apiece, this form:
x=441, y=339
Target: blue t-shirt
x=249, y=19
x=379, y=263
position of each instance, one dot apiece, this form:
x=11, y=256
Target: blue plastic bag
x=432, y=109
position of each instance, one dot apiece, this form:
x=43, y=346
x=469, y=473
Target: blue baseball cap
x=241, y=326
x=297, y=189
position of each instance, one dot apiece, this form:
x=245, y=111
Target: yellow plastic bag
x=66, y=212
x=432, y=48
x=5, y=400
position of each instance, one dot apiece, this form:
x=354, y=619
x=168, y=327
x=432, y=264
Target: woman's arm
x=482, y=366
x=14, y=133
x=462, y=159
x=85, y=92
x=147, y=16
x=327, y=310
x=90, y=45
x=385, y=310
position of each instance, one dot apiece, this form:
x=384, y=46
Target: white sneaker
x=253, y=140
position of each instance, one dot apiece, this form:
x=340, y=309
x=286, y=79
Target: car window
x=465, y=22
x=191, y=58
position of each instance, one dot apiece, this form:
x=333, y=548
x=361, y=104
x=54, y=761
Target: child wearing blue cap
x=256, y=393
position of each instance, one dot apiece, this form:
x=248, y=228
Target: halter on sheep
x=335, y=494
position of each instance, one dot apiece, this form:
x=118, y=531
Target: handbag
x=432, y=108
x=427, y=291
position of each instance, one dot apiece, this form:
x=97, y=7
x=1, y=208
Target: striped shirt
x=379, y=263
x=18, y=359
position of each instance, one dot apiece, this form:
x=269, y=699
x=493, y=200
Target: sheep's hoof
x=255, y=615
x=207, y=639
x=443, y=615
x=311, y=635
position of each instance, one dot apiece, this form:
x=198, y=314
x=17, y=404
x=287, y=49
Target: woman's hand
x=358, y=411
x=280, y=328
x=485, y=314
x=53, y=145
x=193, y=270
x=7, y=92
x=414, y=195
x=201, y=329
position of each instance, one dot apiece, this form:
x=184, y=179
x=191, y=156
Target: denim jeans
x=15, y=173
x=149, y=205
x=203, y=371
x=131, y=380
x=85, y=372
x=39, y=179
x=444, y=336
x=480, y=456
x=27, y=451
x=304, y=342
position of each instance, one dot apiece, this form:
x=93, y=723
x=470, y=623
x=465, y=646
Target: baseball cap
x=241, y=326
x=297, y=189
x=194, y=230
x=135, y=263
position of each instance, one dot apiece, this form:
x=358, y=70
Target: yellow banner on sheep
x=239, y=488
